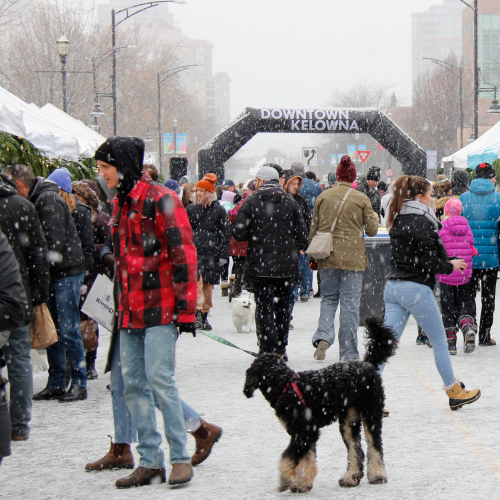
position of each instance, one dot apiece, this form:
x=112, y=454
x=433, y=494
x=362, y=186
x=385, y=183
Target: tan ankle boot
x=181, y=473
x=119, y=456
x=142, y=476
x=206, y=436
x=459, y=396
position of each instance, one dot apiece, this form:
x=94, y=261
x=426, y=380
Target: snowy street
x=430, y=452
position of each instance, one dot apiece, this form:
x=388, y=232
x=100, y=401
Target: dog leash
x=225, y=342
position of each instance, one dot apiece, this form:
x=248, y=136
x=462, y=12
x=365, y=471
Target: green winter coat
x=356, y=218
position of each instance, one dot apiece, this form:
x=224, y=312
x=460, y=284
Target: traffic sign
x=310, y=157
x=363, y=155
x=389, y=172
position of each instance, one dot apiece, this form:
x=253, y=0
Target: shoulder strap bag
x=322, y=243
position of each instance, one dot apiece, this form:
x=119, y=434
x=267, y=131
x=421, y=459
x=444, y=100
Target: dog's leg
x=350, y=429
x=298, y=464
x=375, y=457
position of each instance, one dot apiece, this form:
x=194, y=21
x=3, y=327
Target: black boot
x=469, y=331
x=75, y=393
x=48, y=393
x=451, y=337
x=91, y=371
x=421, y=337
x=485, y=339
x=198, y=320
x=206, y=325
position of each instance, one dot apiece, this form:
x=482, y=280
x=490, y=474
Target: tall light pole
x=476, y=68
x=174, y=125
x=169, y=73
x=63, y=49
x=129, y=12
x=457, y=71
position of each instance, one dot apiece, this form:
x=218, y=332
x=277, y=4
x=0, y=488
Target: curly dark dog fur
x=350, y=392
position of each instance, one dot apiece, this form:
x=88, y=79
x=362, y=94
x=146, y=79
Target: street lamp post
x=169, y=73
x=476, y=68
x=451, y=68
x=174, y=125
x=63, y=49
x=141, y=7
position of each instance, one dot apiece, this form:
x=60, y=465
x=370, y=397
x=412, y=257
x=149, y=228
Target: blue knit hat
x=62, y=178
x=172, y=185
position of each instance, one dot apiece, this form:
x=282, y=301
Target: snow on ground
x=430, y=452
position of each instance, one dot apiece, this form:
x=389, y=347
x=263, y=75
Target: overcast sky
x=290, y=53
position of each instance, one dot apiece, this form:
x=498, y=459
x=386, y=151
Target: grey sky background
x=290, y=53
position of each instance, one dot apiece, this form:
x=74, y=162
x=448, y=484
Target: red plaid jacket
x=156, y=261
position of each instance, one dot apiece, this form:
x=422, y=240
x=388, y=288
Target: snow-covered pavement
x=430, y=452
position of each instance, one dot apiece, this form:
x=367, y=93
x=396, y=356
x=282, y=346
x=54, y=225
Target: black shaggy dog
x=350, y=392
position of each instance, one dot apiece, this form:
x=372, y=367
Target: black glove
x=187, y=327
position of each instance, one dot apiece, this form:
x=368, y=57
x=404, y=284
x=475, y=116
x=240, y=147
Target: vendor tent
x=485, y=148
x=52, y=131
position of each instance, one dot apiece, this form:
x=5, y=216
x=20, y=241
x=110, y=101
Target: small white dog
x=243, y=313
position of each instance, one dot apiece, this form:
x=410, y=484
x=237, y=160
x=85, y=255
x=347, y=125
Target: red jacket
x=156, y=261
x=237, y=248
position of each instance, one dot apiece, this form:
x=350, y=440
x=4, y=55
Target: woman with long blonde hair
x=418, y=254
x=211, y=237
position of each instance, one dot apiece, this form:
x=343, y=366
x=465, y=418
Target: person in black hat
x=368, y=186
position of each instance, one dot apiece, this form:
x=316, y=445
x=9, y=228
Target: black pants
x=237, y=270
x=272, y=314
x=456, y=302
x=224, y=270
x=486, y=280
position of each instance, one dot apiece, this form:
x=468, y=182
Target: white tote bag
x=99, y=304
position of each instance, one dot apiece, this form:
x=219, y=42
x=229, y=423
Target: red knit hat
x=346, y=170
x=208, y=183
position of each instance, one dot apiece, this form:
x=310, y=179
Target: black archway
x=252, y=121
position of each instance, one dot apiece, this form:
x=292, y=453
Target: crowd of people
x=167, y=246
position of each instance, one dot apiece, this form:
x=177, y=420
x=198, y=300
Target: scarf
x=413, y=207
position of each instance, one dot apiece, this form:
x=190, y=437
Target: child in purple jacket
x=457, y=304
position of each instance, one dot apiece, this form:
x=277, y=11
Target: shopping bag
x=42, y=329
x=88, y=329
x=99, y=304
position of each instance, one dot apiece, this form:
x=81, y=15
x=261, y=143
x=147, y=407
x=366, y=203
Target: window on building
x=210, y=102
x=210, y=93
x=210, y=85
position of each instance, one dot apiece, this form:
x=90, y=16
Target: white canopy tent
x=485, y=148
x=50, y=130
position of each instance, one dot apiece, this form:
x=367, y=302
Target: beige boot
x=321, y=348
x=181, y=473
x=459, y=396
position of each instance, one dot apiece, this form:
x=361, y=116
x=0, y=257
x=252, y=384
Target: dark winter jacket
x=372, y=193
x=460, y=183
x=82, y=217
x=418, y=253
x=20, y=223
x=481, y=207
x=101, y=233
x=211, y=236
x=64, y=250
x=272, y=223
x=13, y=302
x=310, y=190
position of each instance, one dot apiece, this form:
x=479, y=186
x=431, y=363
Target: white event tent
x=49, y=129
x=485, y=148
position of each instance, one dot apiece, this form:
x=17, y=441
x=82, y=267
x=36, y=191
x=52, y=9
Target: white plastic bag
x=99, y=304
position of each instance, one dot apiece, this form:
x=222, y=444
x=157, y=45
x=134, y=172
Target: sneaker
x=304, y=299
x=321, y=348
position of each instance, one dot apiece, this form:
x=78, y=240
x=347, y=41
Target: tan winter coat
x=357, y=217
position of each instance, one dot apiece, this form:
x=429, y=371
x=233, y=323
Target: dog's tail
x=382, y=343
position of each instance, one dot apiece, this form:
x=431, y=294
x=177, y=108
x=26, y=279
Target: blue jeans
x=17, y=355
x=305, y=278
x=125, y=431
x=64, y=308
x=148, y=362
x=345, y=287
x=403, y=298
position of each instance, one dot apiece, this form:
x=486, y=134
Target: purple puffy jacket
x=459, y=243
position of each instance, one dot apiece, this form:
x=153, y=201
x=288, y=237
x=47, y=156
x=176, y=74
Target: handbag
x=88, y=329
x=42, y=329
x=99, y=304
x=322, y=243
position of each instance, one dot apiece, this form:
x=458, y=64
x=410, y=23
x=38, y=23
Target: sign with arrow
x=363, y=155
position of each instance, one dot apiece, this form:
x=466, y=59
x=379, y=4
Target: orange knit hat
x=208, y=183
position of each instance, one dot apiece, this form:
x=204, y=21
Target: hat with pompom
x=485, y=171
x=208, y=183
x=346, y=170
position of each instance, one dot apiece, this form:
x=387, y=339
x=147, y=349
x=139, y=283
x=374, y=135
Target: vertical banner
x=351, y=150
x=432, y=160
x=168, y=143
x=333, y=160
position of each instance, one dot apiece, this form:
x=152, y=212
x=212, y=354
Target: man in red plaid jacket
x=156, y=272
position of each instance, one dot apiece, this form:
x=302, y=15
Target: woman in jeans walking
x=418, y=254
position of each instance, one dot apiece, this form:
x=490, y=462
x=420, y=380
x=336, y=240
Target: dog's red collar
x=295, y=387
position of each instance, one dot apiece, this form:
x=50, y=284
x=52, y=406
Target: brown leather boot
x=142, y=476
x=119, y=456
x=181, y=473
x=206, y=436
